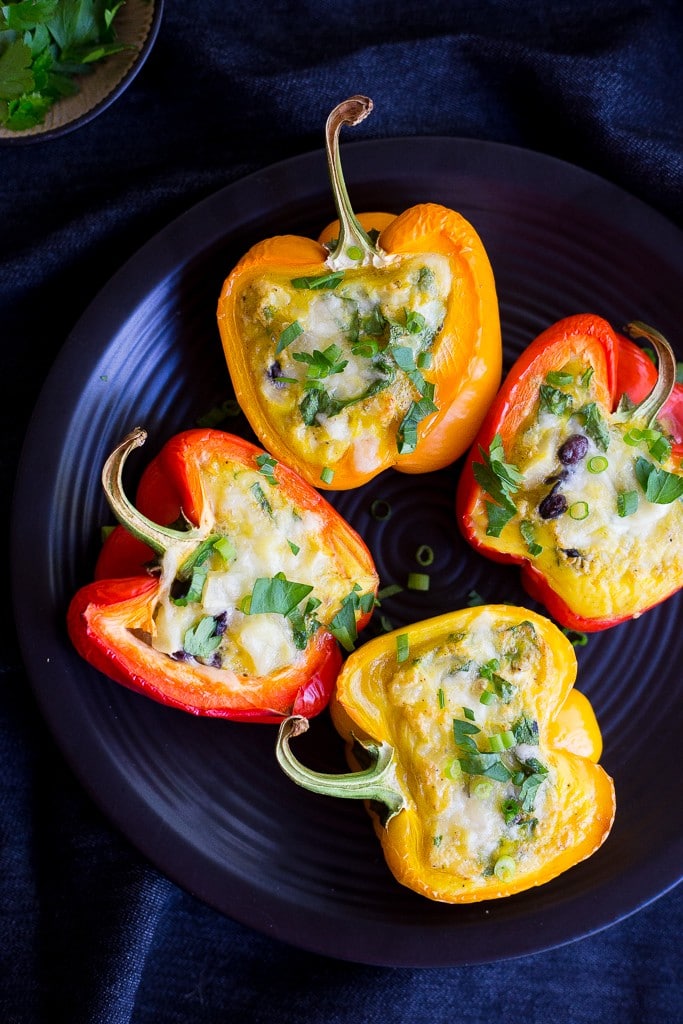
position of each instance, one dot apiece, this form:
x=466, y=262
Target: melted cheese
x=463, y=822
x=269, y=537
x=605, y=563
x=359, y=310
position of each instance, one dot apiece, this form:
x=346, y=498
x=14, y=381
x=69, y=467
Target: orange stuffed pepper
x=377, y=345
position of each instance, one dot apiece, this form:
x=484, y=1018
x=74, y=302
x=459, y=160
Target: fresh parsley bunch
x=45, y=46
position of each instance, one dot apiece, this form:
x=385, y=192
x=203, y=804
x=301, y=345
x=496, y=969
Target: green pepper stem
x=158, y=538
x=651, y=406
x=377, y=782
x=354, y=246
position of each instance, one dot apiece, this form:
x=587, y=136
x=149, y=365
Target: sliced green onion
x=453, y=771
x=487, y=697
x=354, y=252
x=504, y=868
x=579, y=510
x=424, y=555
x=225, y=548
x=390, y=591
x=575, y=637
x=418, y=581
x=380, y=510
x=402, y=647
x=481, y=789
x=501, y=741
x=442, y=697
x=326, y=475
x=633, y=436
x=598, y=464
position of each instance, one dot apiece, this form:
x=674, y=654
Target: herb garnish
x=500, y=480
x=660, y=487
x=45, y=46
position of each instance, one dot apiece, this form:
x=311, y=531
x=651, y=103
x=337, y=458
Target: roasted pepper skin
x=368, y=713
x=104, y=614
x=621, y=368
x=467, y=356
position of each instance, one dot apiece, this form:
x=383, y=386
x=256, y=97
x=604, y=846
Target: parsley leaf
x=318, y=281
x=16, y=76
x=555, y=401
x=500, y=480
x=660, y=487
x=594, y=424
x=45, y=46
x=278, y=595
x=201, y=640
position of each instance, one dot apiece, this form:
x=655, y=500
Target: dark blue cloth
x=90, y=932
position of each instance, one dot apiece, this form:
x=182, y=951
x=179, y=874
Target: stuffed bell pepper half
x=228, y=589
x=576, y=473
x=377, y=345
x=475, y=755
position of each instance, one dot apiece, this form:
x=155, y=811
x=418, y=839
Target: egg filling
x=593, y=500
x=473, y=758
x=344, y=356
x=262, y=583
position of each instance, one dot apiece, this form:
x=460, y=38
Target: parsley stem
x=353, y=243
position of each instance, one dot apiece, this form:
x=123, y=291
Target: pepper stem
x=651, y=406
x=377, y=782
x=159, y=538
x=354, y=246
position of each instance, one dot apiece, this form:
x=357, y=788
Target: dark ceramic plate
x=205, y=800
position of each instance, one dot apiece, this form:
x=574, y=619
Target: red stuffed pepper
x=237, y=609
x=576, y=474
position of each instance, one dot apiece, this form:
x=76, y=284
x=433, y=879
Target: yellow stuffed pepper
x=475, y=754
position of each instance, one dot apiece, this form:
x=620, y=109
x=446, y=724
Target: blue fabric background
x=89, y=930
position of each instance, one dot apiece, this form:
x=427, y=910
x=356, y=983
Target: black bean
x=274, y=372
x=557, y=478
x=552, y=506
x=573, y=449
